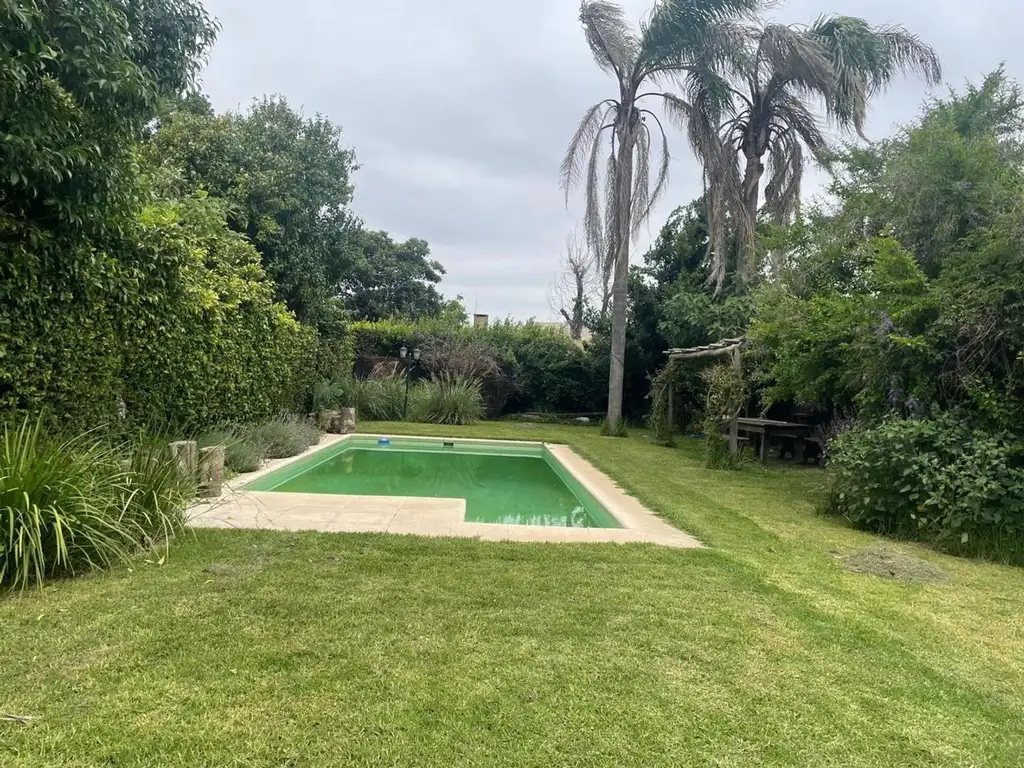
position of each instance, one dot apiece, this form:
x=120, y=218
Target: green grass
x=263, y=649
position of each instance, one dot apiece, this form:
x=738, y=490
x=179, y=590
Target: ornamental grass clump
x=447, y=400
x=74, y=505
x=379, y=398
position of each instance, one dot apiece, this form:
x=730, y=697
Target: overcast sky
x=459, y=111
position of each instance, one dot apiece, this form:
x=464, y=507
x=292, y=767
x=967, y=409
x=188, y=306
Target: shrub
x=380, y=398
x=76, y=505
x=327, y=396
x=455, y=357
x=287, y=435
x=549, y=371
x=471, y=356
x=245, y=448
x=716, y=449
x=933, y=479
x=521, y=366
x=447, y=400
x=659, y=420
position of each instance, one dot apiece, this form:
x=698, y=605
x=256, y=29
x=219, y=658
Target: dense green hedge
x=110, y=295
x=209, y=342
x=545, y=370
x=552, y=373
x=180, y=327
x=59, y=344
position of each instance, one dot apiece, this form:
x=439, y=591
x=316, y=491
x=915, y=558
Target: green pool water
x=501, y=483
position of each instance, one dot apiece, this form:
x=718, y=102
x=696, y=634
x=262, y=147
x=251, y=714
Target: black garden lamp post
x=404, y=354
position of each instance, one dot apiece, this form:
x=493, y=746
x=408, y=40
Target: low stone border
x=272, y=510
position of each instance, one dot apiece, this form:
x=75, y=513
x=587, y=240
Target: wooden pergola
x=723, y=348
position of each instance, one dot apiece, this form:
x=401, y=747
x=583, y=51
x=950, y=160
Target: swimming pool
x=501, y=482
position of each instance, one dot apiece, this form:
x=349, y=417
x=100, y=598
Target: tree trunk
x=576, y=329
x=606, y=291
x=623, y=208
x=751, y=199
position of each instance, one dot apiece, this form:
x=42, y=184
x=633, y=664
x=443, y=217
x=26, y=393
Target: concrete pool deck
x=277, y=511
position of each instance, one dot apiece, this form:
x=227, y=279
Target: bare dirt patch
x=887, y=562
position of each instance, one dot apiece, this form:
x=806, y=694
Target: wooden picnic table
x=765, y=429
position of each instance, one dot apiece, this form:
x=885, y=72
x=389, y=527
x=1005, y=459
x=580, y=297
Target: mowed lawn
x=267, y=649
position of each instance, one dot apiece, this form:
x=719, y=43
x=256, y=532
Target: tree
x=570, y=295
x=681, y=245
x=914, y=336
x=766, y=84
x=394, y=280
x=690, y=312
x=679, y=36
x=287, y=180
x=670, y=305
x=927, y=314
x=78, y=81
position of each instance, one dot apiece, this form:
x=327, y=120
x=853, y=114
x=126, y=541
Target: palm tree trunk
x=624, y=212
x=751, y=199
x=606, y=279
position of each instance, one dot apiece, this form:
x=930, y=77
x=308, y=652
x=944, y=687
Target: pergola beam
x=718, y=349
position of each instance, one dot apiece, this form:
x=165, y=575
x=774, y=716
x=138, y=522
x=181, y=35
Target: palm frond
x=641, y=201
x=707, y=100
x=722, y=179
x=910, y=55
x=678, y=32
x=788, y=55
x=611, y=41
x=661, y=179
x=611, y=214
x=785, y=173
x=792, y=117
x=866, y=59
x=589, y=127
x=592, y=220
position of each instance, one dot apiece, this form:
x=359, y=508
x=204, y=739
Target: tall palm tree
x=767, y=89
x=677, y=37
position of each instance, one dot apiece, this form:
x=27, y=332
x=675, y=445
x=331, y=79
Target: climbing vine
x=727, y=393
x=660, y=420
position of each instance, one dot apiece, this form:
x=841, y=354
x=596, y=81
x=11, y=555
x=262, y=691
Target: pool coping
x=274, y=510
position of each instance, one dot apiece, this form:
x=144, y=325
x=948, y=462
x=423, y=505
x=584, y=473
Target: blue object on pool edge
x=383, y=442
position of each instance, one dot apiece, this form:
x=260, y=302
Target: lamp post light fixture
x=404, y=354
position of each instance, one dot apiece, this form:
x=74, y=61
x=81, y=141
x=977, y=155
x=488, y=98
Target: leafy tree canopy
x=287, y=182
x=78, y=81
x=393, y=279
x=907, y=295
